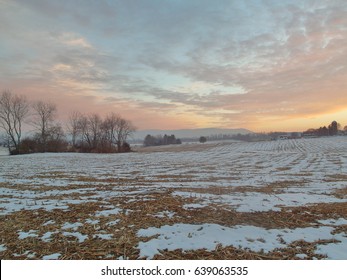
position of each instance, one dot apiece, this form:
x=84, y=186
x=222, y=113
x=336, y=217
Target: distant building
x=283, y=137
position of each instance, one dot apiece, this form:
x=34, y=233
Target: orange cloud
x=178, y=69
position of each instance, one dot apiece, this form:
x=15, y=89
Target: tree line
x=161, y=140
x=331, y=130
x=83, y=132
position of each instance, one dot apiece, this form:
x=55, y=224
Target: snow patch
x=301, y=256
x=165, y=214
x=81, y=238
x=112, y=223
x=51, y=222
x=47, y=236
x=2, y=248
x=24, y=234
x=92, y=222
x=334, y=251
x=193, y=205
x=332, y=222
x=52, y=256
x=207, y=236
x=103, y=236
x=106, y=213
x=73, y=226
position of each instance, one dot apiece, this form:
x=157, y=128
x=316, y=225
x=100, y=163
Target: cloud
x=231, y=63
x=74, y=40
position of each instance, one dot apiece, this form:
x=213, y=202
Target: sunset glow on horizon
x=262, y=65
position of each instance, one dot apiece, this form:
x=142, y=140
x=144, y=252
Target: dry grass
x=156, y=207
x=232, y=253
x=142, y=212
x=335, y=178
x=341, y=193
x=194, y=147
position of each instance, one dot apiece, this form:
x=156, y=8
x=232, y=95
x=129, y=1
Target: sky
x=264, y=65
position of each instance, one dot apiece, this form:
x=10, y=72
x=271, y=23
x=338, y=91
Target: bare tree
x=90, y=129
x=56, y=139
x=45, y=113
x=84, y=130
x=110, y=126
x=106, y=135
x=74, y=126
x=124, y=129
x=13, y=110
x=94, y=124
x=202, y=139
x=333, y=128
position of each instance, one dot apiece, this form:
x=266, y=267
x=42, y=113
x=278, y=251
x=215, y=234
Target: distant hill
x=190, y=133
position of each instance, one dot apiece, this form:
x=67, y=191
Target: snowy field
x=263, y=200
